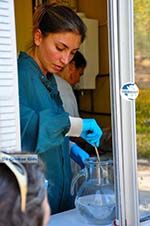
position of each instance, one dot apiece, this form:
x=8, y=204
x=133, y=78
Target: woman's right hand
x=91, y=132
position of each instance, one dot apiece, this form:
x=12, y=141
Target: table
x=68, y=218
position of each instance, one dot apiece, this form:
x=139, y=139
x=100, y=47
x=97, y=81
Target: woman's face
x=56, y=50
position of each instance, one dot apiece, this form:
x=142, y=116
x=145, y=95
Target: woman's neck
x=32, y=53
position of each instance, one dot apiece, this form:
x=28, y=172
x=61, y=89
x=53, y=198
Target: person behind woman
x=23, y=195
x=69, y=77
x=57, y=34
x=65, y=80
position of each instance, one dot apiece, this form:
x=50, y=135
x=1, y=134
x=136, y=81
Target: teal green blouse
x=44, y=124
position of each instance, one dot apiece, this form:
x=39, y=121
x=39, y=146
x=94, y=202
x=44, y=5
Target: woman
x=57, y=35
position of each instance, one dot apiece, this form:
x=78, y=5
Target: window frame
x=9, y=98
x=121, y=54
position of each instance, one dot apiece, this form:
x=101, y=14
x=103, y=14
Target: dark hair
x=79, y=60
x=10, y=204
x=53, y=18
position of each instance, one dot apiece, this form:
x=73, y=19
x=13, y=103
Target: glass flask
x=95, y=199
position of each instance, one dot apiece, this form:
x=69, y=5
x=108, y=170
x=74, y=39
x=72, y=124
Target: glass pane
x=142, y=73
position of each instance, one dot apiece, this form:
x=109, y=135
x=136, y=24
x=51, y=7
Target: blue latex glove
x=78, y=155
x=91, y=132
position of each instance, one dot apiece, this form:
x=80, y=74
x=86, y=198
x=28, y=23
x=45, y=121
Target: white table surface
x=68, y=218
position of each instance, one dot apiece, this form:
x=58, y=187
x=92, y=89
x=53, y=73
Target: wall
x=23, y=15
x=97, y=9
x=96, y=103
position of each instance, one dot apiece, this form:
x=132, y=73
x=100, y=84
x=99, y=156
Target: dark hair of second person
x=79, y=60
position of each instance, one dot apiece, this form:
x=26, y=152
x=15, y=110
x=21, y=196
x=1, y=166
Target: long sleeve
x=44, y=122
x=42, y=131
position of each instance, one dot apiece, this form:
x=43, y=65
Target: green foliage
x=143, y=123
x=142, y=26
x=143, y=145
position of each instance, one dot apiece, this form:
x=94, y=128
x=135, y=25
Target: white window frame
x=121, y=51
x=123, y=142
x=9, y=99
